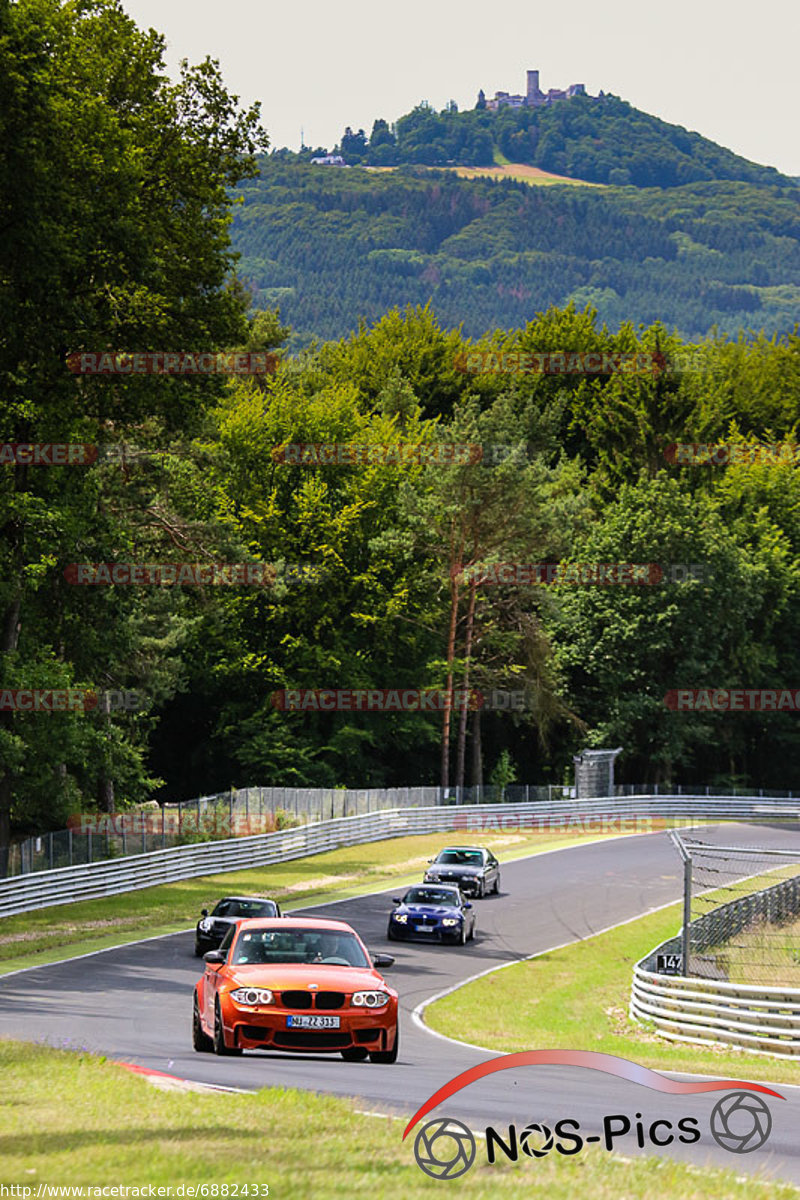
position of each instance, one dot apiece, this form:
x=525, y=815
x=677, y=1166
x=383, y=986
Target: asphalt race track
x=134, y=1004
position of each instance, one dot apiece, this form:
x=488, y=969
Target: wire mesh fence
x=741, y=913
x=246, y=812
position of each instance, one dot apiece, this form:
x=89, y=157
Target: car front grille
x=329, y=1000
x=296, y=999
x=321, y=1000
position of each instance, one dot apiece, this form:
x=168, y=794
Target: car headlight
x=450, y=920
x=206, y=924
x=249, y=997
x=401, y=918
x=369, y=999
x=431, y=876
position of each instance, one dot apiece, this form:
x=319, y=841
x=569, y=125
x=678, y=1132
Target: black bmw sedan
x=473, y=869
x=212, y=927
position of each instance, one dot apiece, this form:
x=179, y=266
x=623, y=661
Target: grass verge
x=577, y=999
x=52, y=934
x=69, y=1119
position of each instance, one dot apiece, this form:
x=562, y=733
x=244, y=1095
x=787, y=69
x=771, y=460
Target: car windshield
x=424, y=895
x=245, y=908
x=472, y=858
x=335, y=947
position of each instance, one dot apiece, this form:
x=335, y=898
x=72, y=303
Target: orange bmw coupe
x=297, y=984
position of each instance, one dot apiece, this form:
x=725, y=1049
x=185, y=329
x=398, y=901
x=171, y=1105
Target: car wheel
x=219, y=1035
x=480, y=890
x=472, y=932
x=198, y=951
x=497, y=885
x=354, y=1054
x=387, y=1056
x=200, y=1039
x=463, y=938
x=391, y=935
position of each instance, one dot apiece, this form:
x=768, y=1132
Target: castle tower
x=533, y=85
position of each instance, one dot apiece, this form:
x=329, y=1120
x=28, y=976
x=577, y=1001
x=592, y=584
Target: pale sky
x=725, y=68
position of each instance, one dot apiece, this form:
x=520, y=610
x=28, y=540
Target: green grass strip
x=577, y=999
x=76, y=1119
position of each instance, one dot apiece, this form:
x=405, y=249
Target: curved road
x=133, y=1003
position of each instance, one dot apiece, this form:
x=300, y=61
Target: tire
x=472, y=932
x=390, y=935
x=219, y=1036
x=354, y=1054
x=462, y=941
x=200, y=1039
x=387, y=1056
x=497, y=885
x=480, y=890
x=198, y=951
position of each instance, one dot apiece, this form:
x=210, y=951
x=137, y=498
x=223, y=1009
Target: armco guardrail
x=691, y=1008
x=761, y=1020
x=44, y=888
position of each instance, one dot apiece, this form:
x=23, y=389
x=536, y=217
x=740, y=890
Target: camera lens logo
x=444, y=1148
x=741, y=1122
x=536, y=1140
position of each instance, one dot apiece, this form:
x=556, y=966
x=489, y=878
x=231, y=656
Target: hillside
x=332, y=246
x=600, y=139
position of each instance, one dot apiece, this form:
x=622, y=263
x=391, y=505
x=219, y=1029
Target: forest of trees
x=332, y=246
x=119, y=240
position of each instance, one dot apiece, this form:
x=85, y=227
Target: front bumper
x=439, y=933
x=208, y=941
x=265, y=1029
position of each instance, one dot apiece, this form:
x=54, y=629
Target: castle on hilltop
x=533, y=98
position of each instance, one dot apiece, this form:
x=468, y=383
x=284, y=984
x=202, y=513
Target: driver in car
x=331, y=946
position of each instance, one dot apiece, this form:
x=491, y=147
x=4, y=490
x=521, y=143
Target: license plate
x=424, y=929
x=313, y=1022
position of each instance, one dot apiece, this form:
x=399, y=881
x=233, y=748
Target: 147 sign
x=669, y=964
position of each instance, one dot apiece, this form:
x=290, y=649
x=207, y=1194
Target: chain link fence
x=246, y=812
x=741, y=913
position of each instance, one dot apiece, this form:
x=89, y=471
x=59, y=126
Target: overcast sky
x=725, y=68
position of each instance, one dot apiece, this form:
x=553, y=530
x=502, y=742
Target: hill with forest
x=602, y=139
x=332, y=247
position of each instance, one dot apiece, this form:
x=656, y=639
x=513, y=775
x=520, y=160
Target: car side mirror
x=383, y=960
x=215, y=957
x=467, y=904
x=430, y=860
x=396, y=900
x=204, y=912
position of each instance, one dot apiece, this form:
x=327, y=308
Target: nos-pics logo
x=446, y=1148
